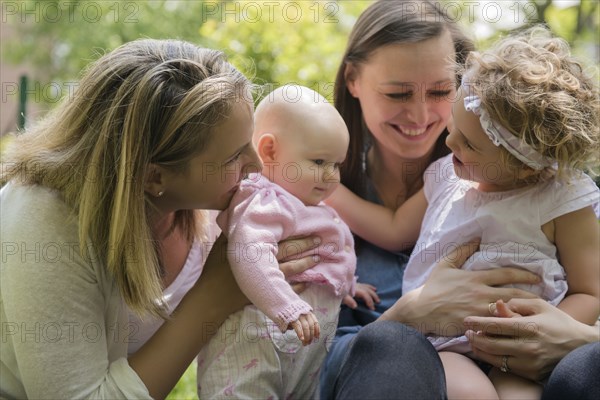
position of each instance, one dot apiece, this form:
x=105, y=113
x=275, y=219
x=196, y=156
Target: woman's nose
x=252, y=162
x=418, y=111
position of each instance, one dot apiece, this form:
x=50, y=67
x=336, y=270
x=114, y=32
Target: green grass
x=186, y=387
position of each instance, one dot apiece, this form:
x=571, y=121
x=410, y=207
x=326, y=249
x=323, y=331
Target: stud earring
x=160, y=193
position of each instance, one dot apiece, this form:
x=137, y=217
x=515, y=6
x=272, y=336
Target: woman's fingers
x=507, y=276
x=506, y=294
x=293, y=267
x=457, y=257
x=498, y=326
x=288, y=256
x=522, y=357
x=292, y=248
x=494, y=358
x=491, y=348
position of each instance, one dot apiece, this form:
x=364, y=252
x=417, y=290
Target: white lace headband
x=501, y=136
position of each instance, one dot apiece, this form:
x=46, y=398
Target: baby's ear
x=267, y=147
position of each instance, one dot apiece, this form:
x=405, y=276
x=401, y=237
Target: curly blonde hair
x=531, y=84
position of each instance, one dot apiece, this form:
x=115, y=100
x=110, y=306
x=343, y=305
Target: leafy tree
x=62, y=37
x=273, y=42
x=287, y=41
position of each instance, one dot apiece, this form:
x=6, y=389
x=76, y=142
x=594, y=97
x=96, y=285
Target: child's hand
x=502, y=310
x=364, y=291
x=307, y=328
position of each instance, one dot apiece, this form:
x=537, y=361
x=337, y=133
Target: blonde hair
x=531, y=84
x=148, y=101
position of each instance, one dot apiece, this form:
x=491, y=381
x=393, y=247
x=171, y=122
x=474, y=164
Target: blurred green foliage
x=272, y=42
x=296, y=42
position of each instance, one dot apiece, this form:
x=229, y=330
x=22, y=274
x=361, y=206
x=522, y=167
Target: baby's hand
x=307, y=328
x=366, y=292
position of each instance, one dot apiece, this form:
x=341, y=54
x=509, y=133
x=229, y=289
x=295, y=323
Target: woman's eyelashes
x=437, y=94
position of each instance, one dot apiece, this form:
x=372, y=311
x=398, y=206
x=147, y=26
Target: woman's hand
x=217, y=275
x=532, y=333
x=450, y=294
x=290, y=263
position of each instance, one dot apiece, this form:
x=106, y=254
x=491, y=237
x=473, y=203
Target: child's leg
x=301, y=369
x=510, y=386
x=464, y=379
x=240, y=361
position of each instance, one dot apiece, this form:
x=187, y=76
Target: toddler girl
x=525, y=124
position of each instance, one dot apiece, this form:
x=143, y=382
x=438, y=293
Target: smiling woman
x=391, y=162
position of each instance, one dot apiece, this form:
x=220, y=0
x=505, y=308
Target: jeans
x=576, y=376
x=384, y=360
x=380, y=360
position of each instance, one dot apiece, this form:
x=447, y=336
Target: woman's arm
x=577, y=238
x=388, y=229
x=163, y=359
x=535, y=340
x=450, y=294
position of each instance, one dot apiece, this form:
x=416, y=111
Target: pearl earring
x=160, y=193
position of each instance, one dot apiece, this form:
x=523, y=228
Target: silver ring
x=504, y=366
x=492, y=309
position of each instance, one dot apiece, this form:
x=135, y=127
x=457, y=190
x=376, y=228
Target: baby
x=262, y=351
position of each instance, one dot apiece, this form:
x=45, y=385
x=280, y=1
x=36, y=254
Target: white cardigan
x=65, y=328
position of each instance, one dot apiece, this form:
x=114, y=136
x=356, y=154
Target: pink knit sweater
x=260, y=215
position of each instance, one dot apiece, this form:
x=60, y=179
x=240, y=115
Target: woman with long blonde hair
x=100, y=220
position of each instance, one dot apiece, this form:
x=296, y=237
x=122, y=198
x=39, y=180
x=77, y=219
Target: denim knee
x=390, y=360
x=576, y=375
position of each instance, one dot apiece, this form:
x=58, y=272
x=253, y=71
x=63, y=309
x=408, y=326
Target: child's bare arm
x=307, y=328
x=577, y=238
x=379, y=225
